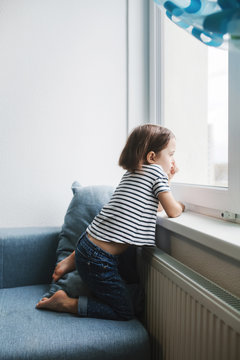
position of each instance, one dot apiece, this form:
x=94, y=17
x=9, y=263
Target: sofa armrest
x=27, y=255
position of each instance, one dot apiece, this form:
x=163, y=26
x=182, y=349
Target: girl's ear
x=151, y=157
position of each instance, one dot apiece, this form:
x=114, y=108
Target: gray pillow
x=85, y=205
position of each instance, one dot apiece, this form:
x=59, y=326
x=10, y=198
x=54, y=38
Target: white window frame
x=216, y=201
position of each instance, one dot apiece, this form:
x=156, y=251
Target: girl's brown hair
x=141, y=141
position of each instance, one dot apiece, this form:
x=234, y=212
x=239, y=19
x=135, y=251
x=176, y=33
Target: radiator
x=187, y=316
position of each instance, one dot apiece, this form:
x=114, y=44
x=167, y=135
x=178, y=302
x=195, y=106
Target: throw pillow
x=85, y=205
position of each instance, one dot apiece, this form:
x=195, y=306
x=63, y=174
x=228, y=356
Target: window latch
x=229, y=216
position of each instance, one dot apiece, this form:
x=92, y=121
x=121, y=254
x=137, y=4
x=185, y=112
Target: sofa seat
x=28, y=333
x=27, y=261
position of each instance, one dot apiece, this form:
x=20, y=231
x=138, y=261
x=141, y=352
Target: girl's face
x=165, y=157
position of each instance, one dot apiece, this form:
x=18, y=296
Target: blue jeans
x=99, y=271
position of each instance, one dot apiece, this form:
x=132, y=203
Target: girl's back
x=130, y=216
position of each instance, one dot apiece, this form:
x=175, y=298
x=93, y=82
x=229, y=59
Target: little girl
x=128, y=219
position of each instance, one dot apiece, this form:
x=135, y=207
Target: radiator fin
x=184, y=321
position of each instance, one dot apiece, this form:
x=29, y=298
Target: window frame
x=209, y=200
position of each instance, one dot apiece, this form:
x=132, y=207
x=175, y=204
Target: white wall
x=63, y=103
x=138, y=62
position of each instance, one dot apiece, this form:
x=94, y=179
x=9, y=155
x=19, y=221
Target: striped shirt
x=130, y=215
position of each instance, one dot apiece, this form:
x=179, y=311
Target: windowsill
x=216, y=234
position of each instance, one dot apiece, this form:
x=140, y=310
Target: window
x=195, y=91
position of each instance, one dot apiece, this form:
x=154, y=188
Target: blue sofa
x=27, y=260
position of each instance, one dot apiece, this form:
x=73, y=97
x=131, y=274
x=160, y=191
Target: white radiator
x=187, y=316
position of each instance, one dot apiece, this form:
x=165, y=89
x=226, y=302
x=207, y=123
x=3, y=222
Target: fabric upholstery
x=31, y=334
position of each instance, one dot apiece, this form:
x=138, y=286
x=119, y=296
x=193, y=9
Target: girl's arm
x=167, y=202
x=172, y=207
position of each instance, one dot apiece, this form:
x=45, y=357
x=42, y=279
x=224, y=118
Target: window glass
x=195, y=106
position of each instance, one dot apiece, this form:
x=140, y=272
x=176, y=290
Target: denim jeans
x=99, y=271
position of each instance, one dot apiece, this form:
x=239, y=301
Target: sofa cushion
x=28, y=333
x=84, y=206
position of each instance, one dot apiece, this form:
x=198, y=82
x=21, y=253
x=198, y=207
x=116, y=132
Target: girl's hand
x=174, y=169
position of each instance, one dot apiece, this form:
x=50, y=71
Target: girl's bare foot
x=60, y=302
x=64, y=266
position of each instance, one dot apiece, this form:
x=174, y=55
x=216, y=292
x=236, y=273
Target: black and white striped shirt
x=130, y=215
